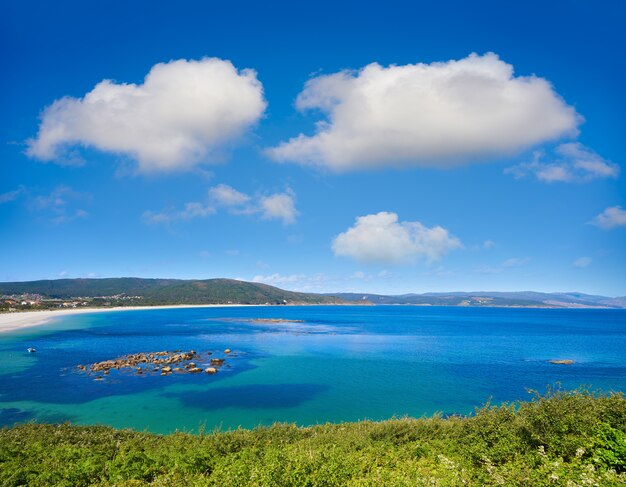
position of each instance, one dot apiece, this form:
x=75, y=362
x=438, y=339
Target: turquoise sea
x=341, y=363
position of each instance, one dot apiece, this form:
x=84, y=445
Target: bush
x=559, y=438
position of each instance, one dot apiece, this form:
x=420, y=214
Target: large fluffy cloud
x=381, y=238
x=182, y=113
x=437, y=114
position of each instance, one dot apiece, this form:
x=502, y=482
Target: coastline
x=27, y=319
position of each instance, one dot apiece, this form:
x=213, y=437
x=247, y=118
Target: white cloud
x=439, y=272
x=192, y=210
x=298, y=282
x=485, y=269
x=59, y=205
x=571, y=163
x=68, y=217
x=488, y=244
x=181, y=115
x=279, y=206
x=611, y=217
x=225, y=195
x=276, y=206
x=381, y=238
x=516, y=262
x=505, y=266
x=276, y=279
x=582, y=262
x=12, y=195
x=438, y=114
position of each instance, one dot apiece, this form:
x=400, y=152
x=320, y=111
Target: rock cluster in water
x=561, y=362
x=275, y=320
x=163, y=363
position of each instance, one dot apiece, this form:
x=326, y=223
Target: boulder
x=211, y=370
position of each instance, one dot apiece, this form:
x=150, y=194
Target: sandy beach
x=15, y=321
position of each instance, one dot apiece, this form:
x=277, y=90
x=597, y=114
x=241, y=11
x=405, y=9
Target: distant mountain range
x=132, y=290
x=482, y=298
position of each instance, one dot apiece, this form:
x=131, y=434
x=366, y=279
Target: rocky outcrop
x=163, y=363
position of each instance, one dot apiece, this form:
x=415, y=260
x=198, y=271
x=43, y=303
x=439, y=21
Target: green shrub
x=559, y=438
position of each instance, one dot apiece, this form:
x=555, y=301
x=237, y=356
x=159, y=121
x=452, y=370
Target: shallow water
x=342, y=363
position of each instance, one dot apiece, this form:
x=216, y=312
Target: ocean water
x=341, y=363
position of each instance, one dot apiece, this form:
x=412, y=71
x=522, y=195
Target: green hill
x=165, y=291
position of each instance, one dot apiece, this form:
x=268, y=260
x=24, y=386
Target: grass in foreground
x=561, y=438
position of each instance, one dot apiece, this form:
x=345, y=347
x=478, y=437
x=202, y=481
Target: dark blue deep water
x=341, y=363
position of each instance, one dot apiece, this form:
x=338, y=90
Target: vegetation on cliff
x=561, y=438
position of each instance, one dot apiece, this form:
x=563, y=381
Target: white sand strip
x=25, y=319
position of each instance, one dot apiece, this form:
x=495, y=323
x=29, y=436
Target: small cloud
x=275, y=279
x=385, y=274
x=204, y=173
x=154, y=218
x=611, y=217
x=582, y=262
x=233, y=253
x=485, y=269
x=381, y=238
x=506, y=265
x=296, y=282
x=224, y=195
x=63, y=274
x=262, y=265
x=295, y=239
x=488, y=244
x=359, y=275
x=58, y=204
x=64, y=218
x=279, y=206
x=204, y=254
x=12, y=195
x=516, y=262
x=570, y=163
x=439, y=272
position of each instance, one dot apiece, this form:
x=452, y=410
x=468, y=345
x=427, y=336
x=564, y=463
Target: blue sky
x=352, y=146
